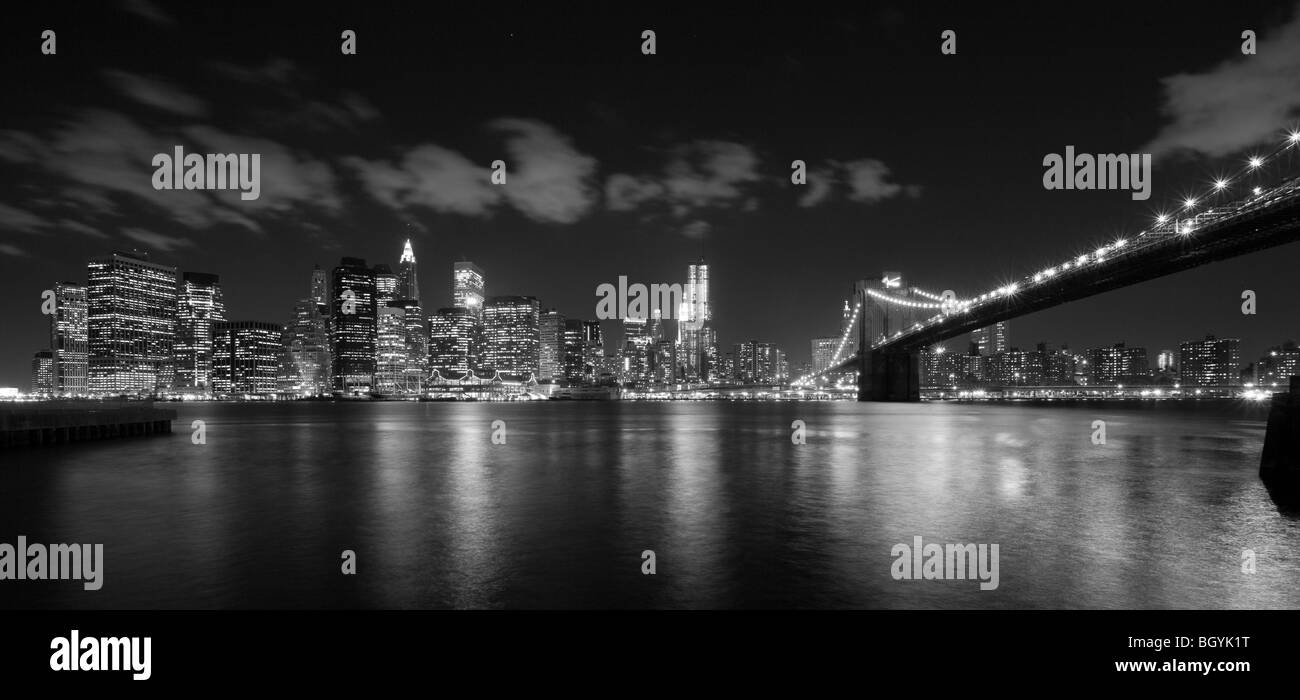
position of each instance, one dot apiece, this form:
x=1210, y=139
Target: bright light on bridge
x=1256, y=161
x=1220, y=184
x=1162, y=218
x=1294, y=137
x=1189, y=202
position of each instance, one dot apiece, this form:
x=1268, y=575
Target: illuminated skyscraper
x=823, y=350
x=551, y=349
x=131, y=306
x=593, y=352
x=246, y=357
x=401, y=349
x=198, y=307
x=1276, y=368
x=657, y=325
x=1166, y=361
x=510, y=335
x=352, y=327
x=1210, y=362
x=69, y=339
x=390, y=351
x=757, y=363
x=636, y=350
x=305, y=357
x=453, y=348
x=417, y=344
x=991, y=340
x=573, y=350
x=408, y=281
x=468, y=287
x=43, y=372
x=319, y=286
x=694, y=318
x=1118, y=364
x=385, y=286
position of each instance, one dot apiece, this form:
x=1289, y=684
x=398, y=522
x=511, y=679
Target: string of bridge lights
x=1103, y=253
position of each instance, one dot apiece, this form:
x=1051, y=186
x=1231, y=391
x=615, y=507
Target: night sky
x=625, y=164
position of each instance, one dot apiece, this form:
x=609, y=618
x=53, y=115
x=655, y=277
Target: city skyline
x=202, y=331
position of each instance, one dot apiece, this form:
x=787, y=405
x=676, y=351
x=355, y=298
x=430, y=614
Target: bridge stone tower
x=884, y=374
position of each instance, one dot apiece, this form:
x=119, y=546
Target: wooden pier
x=56, y=422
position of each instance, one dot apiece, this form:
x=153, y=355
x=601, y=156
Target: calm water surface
x=440, y=517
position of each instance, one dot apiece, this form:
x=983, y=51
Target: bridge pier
x=889, y=376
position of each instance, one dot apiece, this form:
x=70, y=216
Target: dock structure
x=56, y=422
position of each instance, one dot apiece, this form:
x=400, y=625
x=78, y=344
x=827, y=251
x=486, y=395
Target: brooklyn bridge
x=1255, y=208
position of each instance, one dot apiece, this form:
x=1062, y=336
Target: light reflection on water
x=737, y=515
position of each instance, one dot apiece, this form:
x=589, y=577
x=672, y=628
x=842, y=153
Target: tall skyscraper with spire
x=694, y=325
x=408, y=283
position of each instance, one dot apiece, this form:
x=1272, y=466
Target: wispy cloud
x=156, y=241
x=1244, y=101
x=101, y=156
x=10, y=249
x=149, y=11
x=429, y=176
x=156, y=93
x=21, y=220
x=865, y=180
x=549, y=180
x=78, y=227
x=701, y=174
x=868, y=182
x=818, y=188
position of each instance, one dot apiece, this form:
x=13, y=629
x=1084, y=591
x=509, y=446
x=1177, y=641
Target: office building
x=551, y=350
x=390, y=352
x=199, y=306
x=352, y=327
x=246, y=358
x=385, y=286
x=1212, y=362
x=453, y=346
x=468, y=287
x=70, y=340
x=511, y=342
x=43, y=372
x=992, y=339
x=408, y=279
x=694, y=321
x=823, y=352
x=1118, y=364
x=1278, y=365
x=131, y=307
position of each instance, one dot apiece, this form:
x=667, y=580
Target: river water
x=438, y=516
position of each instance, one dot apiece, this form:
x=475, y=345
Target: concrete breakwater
x=55, y=422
